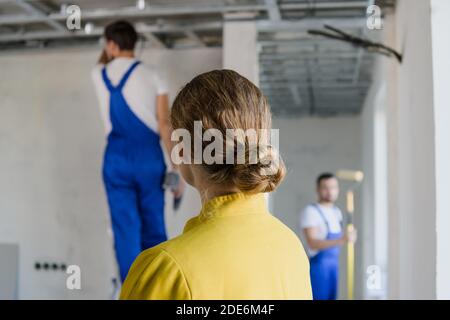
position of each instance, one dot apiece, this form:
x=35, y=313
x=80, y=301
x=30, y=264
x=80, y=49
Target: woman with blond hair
x=234, y=248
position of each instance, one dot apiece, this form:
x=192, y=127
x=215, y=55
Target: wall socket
x=49, y=266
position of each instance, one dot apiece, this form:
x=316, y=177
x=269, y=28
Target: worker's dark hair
x=122, y=33
x=324, y=176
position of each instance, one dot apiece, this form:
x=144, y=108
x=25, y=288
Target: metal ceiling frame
x=311, y=76
x=30, y=8
x=159, y=11
x=270, y=7
x=298, y=72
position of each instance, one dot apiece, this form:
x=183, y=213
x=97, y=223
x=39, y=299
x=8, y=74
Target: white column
x=412, y=197
x=419, y=175
x=440, y=25
x=240, y=48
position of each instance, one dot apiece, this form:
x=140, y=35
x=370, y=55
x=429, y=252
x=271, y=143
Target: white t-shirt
x=311, y=218
x=140, y=91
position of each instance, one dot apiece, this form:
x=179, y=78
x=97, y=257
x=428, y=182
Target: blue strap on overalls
x=133, y=173
x=125, y=124
x=122, y=82
x=324, y=266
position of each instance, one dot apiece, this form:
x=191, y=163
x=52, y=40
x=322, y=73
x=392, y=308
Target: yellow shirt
x=234, y=249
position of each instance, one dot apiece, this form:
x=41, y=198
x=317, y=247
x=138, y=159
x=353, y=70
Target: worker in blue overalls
x=321, y=223
x=134, y=105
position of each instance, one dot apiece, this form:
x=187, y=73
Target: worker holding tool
x=134, y=104
x=322, y=226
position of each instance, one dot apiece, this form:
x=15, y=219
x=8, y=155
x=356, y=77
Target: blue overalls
x=324, y=267
x=133, y=173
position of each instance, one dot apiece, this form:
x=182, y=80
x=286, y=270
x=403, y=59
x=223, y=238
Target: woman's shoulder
x=159, y=272
x=155, y=274
x=165, y=254
x=283, y=232
x=162, y=253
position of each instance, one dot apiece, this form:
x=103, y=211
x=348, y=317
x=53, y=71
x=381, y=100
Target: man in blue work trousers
x=321, y=223
x=134, y=105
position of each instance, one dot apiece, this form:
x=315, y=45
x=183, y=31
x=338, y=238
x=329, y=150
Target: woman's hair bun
x=264, y=176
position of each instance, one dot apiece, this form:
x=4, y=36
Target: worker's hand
x=179, y=190
x=351, y=236
x=104, y=58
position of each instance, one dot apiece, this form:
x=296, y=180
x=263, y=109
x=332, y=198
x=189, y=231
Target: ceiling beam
x=319, y=85
x=154, y=40
x=133, y=12
x=337, y=5
x=295, y=94
x=176, y=10
x=273, y=10
x=310, y=23
x=309, y=55
x=150, y=36
x=361, y=50
x=98, y=31
x=195, y=38
x=38, y=13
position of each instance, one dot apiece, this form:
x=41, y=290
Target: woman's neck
x=211, y=191
x=207, y=189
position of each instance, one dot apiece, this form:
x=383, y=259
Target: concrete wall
x=440, y=11
x=411, y=178
x=379, y=109
x=412, y=148
x=310, y=146
x=240, y=49
x=51, y=141
x=374, y=225
x=406, y=106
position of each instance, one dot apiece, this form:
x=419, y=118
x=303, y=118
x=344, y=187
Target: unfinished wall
x=374, y=225
x=378, y=111
x=440, y=11
x=412, y=207
x=412, y=129
x=51, y=144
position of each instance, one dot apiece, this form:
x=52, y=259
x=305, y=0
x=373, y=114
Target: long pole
x=350, y=245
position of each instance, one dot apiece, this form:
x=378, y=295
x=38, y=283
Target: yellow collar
x=234, y=204
x=230, y=205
